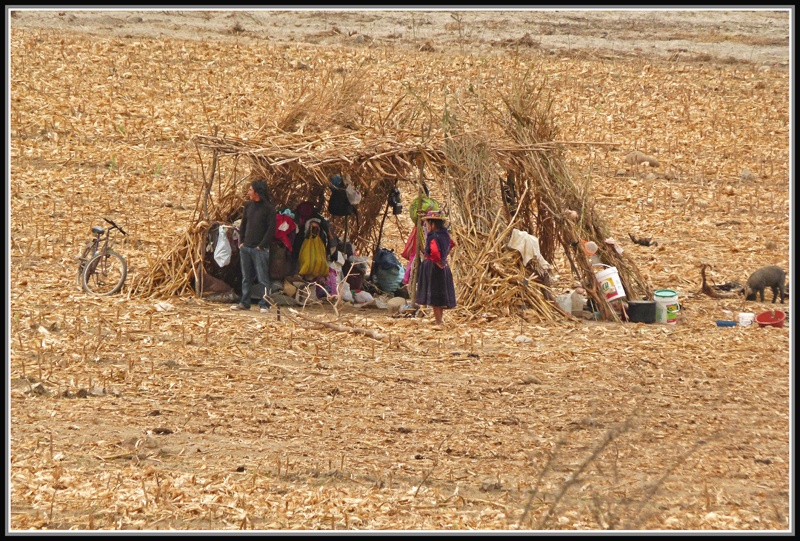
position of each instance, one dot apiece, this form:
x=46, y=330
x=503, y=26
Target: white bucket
x=610, y=284
x=746, y=318
x=667, y=306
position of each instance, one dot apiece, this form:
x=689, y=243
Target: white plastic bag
x=222, y=254
x=345, y=292
x=362, y=297
x=353, y=195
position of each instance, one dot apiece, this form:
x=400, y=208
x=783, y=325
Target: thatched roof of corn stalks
x=504, y=172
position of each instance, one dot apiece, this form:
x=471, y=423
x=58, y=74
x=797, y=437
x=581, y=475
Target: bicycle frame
x=93, y=248
x=101, y=241
x=100, y=244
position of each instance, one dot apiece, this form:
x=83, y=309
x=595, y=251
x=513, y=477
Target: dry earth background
x=130, y=413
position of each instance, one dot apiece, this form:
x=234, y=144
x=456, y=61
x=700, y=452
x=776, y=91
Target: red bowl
x=767, y=319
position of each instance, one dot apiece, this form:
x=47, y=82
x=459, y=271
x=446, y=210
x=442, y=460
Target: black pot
x=642, y=311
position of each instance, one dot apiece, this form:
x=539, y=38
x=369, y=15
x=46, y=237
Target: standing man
x=256, y=231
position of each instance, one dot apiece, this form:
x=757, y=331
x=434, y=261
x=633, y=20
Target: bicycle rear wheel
x=105, y=273
x=86, y=255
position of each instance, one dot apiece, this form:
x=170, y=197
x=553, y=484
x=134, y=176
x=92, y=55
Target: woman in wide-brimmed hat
x=435, y=279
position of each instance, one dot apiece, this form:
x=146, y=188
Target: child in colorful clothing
x=435, y=280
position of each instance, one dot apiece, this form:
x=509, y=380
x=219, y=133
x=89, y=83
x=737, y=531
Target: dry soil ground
x=129, y=413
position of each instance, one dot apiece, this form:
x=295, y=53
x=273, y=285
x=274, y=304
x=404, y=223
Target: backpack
x=339, y=204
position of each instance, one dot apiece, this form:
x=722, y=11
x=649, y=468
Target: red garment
x=436, y=254
x=304, y=211
x=410, y=250
x=286, y=237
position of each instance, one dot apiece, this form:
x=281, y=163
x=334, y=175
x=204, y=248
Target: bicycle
x=101, y=270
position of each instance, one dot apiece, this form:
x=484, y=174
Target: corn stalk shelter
x=506, y=173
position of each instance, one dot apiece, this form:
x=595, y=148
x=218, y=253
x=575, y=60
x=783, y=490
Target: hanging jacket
x=285, y=230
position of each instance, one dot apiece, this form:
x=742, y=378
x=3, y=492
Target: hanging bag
x=353, y=195
x=338, y=204
x=313, y=258
x=222, y=253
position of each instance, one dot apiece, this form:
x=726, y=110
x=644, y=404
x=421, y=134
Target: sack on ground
x=385, y=259
x=346, y=292
x=355, y=280
x=212, y=285
x=388, y=280
x=362, y=297
x=387, y=272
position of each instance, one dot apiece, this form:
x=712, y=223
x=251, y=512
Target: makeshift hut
x=503, y=173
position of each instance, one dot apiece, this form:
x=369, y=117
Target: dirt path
x=754, y=36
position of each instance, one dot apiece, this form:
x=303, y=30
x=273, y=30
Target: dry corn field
x=175, y=413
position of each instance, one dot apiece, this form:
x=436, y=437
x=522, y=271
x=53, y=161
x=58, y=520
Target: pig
x=772, y=277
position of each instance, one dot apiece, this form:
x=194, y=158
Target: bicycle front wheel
x=105, y=273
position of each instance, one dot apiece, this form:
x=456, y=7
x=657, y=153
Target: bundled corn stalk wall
x=293, y=178
x=530, y=124
x=179, y=271
x=508, y=174
x=526, y=186
x=490, y=277
x=322, y=134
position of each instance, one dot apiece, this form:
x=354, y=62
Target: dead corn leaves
x=264, y=424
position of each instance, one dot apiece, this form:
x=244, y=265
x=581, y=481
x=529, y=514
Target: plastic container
x=770, y=319
x=589, y=247
x=667, y=307
x=641, y=311
x=610, y=284
x=746, y=318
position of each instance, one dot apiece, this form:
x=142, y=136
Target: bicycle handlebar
x=115, y=225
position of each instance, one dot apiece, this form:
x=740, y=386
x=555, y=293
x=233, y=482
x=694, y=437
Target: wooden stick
x=367, y=332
